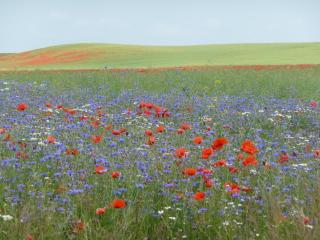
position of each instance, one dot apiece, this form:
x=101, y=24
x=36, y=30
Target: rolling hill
x=99, y=56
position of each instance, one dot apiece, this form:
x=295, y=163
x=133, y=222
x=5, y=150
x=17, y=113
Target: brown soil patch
x=55, y=57
x=47, y=57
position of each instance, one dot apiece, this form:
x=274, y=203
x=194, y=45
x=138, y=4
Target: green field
x=98, y=56
x=279, y=82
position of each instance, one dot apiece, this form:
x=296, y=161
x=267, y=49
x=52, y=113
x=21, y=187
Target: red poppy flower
x=246, y=189
x=78, y=226
x=149, y=105
x=180, y=131
x=162, y=112
x=240, y=156
x=7, y=138
x=250, y=160
x=123, y=130
x=199, y=196
x=21, y=155
x=206, y=153
x=233, y=169
x=232, y=187
x=313, y=104
x=48, y=105
x=166, y=114
x=118, y=203
x=185, y=126
x=160, y=129
x=219, y=143
x=220, y=163
x=75, y=152
x=100, y=211
x=208, y=183
x=83, y=118
x=206, y=171
x=22, y=107
x=95, y=123
x=284, y=157
x=70, y=151
x=142, y=105
x=70, y=111
x=96, y=138
x=147, y=112
x=316, y=153
x=151, y=140
x=100, y=169
x=51, y=139
x=115, y=174
x=116, y=132
x=180, y=153
x=249, y=147
x=157, y=109
x=306, y=220
x=148, y=133
x=198, y=140
x=190, y=171
x=29, y=237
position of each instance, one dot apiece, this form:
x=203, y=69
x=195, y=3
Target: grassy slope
x=130, y=56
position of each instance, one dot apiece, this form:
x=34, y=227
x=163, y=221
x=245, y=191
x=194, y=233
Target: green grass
x=280, y=83
x=134, y=56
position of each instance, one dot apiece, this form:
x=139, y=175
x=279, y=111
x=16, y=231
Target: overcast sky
x=29, y=24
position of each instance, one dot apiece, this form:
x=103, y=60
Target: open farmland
x=99, y=56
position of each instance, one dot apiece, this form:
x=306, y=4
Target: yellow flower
x=217, y=82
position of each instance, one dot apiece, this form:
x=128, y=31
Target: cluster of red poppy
x=247, y=147
x=151, y=138
x=183, y=128
x=116, y=203
x=102, y=170
x=98, y=138
x=72, y=151
x=148, y=109
x=234, y=188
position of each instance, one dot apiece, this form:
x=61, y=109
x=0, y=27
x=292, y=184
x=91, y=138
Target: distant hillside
x=98, y=56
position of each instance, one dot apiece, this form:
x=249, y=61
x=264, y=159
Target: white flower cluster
x=6, y=217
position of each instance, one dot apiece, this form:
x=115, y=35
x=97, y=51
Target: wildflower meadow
x=172, y=154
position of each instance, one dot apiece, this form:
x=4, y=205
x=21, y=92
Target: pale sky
x=30, y=24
